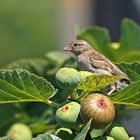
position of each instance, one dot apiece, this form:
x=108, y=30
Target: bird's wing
x=99, y=61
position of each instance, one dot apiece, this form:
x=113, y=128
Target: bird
x=89, y=59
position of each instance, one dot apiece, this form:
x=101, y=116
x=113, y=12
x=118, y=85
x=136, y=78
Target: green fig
x=98, y=132
x=118, y=132
x=67, y=78
x=68, y=115
x=20, y=132
x=99, y=108
x=84, y=74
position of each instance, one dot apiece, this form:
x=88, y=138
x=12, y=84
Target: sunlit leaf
x=83, y=133
x=129, y=95
x=22, y=86
x=95, y=82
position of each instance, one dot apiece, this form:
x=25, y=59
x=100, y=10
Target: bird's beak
x=68, y=48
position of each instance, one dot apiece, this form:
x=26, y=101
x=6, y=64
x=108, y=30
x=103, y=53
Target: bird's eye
x=75, y=44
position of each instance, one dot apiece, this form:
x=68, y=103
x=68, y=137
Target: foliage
x=30, y=95
x=22, y=86
x=129, y=41
x=83, y=133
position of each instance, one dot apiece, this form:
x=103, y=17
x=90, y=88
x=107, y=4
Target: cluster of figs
x=73, y=114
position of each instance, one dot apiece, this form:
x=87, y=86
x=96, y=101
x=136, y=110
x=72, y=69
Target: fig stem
x=52, y=103
x=73, y=94
x=83, y=94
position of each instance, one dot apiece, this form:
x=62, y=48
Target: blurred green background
x=27, y=28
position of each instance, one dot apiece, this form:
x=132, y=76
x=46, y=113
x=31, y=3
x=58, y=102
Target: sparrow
x=89, y=59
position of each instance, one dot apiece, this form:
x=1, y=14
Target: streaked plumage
x=89, y=59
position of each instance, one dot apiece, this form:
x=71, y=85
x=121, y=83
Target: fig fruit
x=68, y=115
x=20, y=132
x=99, y=108
x=67, y=78
x=84, y=74
x=98, y=132
x=118, y=132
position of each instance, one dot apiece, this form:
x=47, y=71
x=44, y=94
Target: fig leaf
x=95, y=82
x=129, y=95
x=83, y=133
x=22, y=86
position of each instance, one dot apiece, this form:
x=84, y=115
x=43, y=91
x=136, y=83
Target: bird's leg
x=117, y=86
x=113, y=88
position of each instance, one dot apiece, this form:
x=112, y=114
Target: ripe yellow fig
x=99, y=108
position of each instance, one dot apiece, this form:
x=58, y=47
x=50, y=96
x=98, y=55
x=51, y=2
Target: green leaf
x=7, y=138
x=131, y=69
x=64, y=133
x=83, y=133
x=129, y=49
x=22, y=86
x=99, y=38
x=133, y=66
x=56, y=63
x=16, y=113
x=130, y=35
x=55, y=56
x=34, y=65
x=46, y=137
x=78, y=29
x=129, y=95
x=95, y=82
